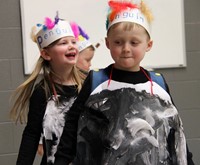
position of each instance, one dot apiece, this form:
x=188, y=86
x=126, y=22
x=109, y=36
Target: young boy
x=126, y=114
x=86, y=49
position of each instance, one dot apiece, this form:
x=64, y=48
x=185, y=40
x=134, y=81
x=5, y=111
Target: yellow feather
x=146, y=11
x=33, y=34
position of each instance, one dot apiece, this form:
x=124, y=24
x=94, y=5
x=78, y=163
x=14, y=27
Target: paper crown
x=82, y=38
x=52, y=31
x=121, y=11
x=83, y=43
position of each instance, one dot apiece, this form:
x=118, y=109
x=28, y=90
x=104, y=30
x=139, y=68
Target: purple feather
x=81, y=32
x=56, y=18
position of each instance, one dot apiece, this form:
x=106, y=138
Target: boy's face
x=84, y=59
x=128, y=47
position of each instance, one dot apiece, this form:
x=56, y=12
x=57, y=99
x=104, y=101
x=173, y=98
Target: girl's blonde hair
x=22, y=94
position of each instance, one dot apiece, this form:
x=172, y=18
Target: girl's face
x=128, y=47
x=84, y=59
x=62, y=54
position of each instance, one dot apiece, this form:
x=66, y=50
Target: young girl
x=49, y=92
x=129, y=117
x=86, y=53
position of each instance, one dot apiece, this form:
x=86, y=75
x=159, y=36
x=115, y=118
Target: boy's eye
x=117, y=42
x=74, y=42
x=134, y=42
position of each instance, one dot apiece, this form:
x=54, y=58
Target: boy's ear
x=45, y=55
x=149, y=46
x=107, y=42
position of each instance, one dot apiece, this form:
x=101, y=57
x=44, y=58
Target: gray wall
x=184, y=83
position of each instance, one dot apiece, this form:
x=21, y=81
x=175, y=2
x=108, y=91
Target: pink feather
x=49, y=23
x=75, y=29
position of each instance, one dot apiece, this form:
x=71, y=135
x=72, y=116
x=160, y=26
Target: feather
x=117, y=7
x=49, y=23
x=56, y=18
x=33, y=33
x=146, y=11
x=75, y=29
x=39, y=25
x=81, y=32
x=120, y=6
x=80, y=38
x=44, y=27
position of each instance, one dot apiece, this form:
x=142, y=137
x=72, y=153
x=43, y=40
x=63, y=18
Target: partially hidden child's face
x=84, y=59
x=64, y=52
x=128, y=46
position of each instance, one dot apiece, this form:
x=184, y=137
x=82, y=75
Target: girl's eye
x=62, y=43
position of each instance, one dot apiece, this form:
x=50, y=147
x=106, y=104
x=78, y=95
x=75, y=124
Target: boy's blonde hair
x=127, y=26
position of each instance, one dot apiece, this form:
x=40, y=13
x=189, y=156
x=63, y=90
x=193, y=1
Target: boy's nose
x=126, y=48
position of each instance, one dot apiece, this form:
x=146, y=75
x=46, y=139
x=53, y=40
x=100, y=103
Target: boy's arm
x=189, y=154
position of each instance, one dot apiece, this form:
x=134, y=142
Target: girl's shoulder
x=38, y=92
